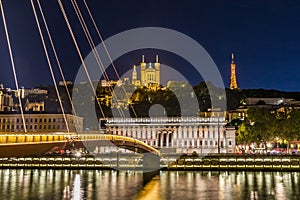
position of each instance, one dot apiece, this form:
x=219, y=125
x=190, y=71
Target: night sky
x=263, y=34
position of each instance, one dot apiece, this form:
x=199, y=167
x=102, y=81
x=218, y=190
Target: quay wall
x=234, y=163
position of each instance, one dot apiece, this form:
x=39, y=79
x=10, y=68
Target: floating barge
x=220, y=163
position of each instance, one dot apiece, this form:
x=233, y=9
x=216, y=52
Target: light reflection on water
x=106, y=184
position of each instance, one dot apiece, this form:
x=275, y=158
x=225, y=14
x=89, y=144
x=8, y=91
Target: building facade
x=40, y=123
x=6, y=102
x=178, y=134
x=149, y=73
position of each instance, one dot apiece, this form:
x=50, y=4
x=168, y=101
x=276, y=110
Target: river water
x=108, y=184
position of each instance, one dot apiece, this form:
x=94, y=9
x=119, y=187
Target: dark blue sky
x=264, y=35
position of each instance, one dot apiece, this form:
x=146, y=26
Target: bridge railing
x=28, y=138
x=9, y=138
x=114, y=138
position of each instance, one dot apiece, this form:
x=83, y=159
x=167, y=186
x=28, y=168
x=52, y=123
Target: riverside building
x=177, y=134
x=40, y=123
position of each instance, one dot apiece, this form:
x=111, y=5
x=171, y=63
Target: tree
x=260, y=126
x=290, y=125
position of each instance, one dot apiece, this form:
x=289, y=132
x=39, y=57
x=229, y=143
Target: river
x=109, y=184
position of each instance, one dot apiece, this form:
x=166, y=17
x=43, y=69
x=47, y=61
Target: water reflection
x=88, y=184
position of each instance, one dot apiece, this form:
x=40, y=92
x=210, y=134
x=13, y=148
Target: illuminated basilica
x=149, y=73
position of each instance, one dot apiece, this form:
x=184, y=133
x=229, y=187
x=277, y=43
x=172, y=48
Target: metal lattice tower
x=233, y=83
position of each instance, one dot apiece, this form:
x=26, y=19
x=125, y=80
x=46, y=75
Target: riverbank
x=216, y=162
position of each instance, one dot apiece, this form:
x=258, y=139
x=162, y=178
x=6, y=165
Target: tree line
x=263, y=125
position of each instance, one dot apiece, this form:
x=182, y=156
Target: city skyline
x=185, y=100
x=263, y=37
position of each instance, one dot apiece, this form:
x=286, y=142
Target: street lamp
x=218, y=135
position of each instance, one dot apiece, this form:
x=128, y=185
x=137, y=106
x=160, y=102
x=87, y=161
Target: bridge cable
x=107, y=52
x=79, y=53
x=50, y=65
x=13, y=65
x=95, y=52
x=56, y=57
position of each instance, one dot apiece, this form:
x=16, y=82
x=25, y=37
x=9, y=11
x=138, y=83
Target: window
x=211, y=143
x=201, y=143
x=229, y=143
x=35, y=120
x=41, y=120
x=53, y=120
x=205, y=143
x=49, y=120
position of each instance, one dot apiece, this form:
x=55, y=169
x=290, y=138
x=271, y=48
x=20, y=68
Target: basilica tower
x=157, y=70
x=143, y=69
x=150, y=73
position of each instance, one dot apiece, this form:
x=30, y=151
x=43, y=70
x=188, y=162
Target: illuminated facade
x=36, y=106
x=150, y=73
x=6, y=101
x=40, y=123
x=178, y=134
x=233, y=83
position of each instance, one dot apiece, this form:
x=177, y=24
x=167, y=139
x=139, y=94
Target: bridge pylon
x=151, y=162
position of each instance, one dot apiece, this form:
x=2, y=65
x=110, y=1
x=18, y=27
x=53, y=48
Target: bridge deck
x=8, y=140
